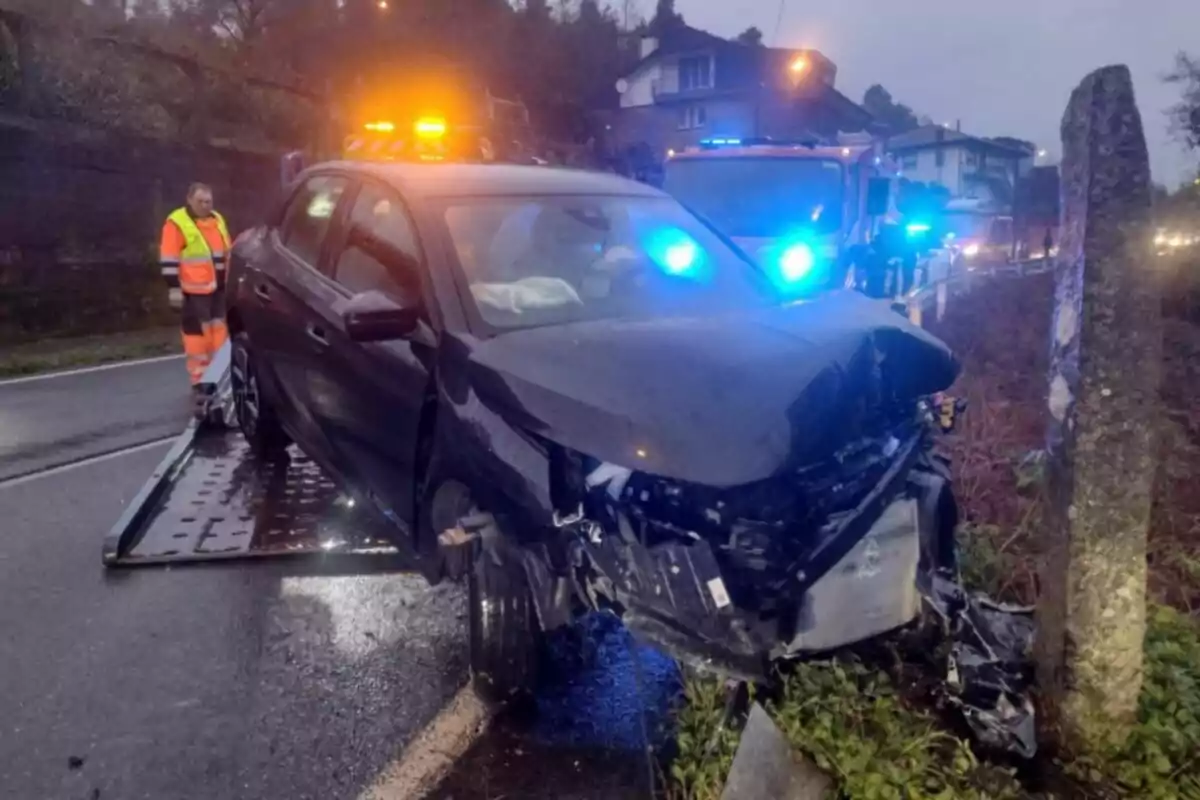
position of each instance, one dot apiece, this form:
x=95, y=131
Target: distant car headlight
x=971, y=250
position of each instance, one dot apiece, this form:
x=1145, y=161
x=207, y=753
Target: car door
x=284, y=290
x=369, y=396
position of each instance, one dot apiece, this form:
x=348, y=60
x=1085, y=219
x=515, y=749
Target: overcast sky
x=1002, y=67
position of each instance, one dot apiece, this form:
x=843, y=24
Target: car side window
x=308, y=217
x=381, y=250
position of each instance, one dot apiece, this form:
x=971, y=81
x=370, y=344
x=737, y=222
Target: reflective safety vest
x=198, y=263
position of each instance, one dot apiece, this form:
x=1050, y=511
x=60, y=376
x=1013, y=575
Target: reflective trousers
x=204, y=330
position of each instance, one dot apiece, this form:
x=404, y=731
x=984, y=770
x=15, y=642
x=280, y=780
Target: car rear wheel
x=256, y=418
x=504, y=631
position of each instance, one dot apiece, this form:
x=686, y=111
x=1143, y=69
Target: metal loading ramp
x=211, y=499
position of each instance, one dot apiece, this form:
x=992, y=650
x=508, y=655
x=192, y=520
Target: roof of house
x=685, y=38
x=681, y=39
x=929, y=136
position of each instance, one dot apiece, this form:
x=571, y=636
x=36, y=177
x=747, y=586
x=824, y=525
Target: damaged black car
x=569, y=389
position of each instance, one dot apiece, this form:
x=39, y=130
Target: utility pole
x=1106, y=362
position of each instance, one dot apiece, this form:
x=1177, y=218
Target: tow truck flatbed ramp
x=211, y=499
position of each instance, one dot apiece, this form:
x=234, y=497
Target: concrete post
x=1105, y=364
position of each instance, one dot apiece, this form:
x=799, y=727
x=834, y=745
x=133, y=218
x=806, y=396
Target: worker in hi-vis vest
x=195, y=248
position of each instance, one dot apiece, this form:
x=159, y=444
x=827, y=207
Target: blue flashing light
x=793, y=265
x=915, y=228
x=678, y=259
x=720, y=141
x=796, y=262
x=675, y=252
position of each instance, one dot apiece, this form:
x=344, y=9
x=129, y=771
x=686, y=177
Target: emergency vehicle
x=432, y=132
x=804, y=210
x=979, y=236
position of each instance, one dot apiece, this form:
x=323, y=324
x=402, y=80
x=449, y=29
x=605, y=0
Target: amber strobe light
x=430, y=127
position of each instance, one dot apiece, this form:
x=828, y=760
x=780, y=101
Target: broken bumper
x=861, y=579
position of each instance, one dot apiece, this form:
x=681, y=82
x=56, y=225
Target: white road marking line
x=83, y=462
x=84, y=370
x=429, y=756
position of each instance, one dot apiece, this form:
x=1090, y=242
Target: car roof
x=457, y=180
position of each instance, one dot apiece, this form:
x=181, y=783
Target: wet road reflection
x=602, y=709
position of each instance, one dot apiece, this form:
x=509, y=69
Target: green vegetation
x=1161, y=759
x=706, y=741
x=849, y=718
x=58, y=354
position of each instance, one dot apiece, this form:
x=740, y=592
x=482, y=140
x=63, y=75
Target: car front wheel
x=255, y=416
x=504, y=631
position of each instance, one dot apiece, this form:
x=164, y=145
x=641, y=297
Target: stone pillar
x=1105, y=364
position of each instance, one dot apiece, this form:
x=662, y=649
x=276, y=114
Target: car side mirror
x=374, y=317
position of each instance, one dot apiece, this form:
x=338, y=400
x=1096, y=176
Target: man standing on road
x=195, y=246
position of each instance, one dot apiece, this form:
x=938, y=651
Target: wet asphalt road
x=221, y=681
x=57, y=420
x=257, y=680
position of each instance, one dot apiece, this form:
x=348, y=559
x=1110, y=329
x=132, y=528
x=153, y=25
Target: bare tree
x=1185, y=115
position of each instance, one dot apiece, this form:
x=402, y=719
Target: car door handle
x=263, y=292
x=317, y=334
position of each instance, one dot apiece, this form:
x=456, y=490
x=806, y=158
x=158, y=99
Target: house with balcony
x=982, y=171
x=691, y=85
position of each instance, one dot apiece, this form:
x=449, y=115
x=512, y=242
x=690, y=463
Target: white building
x=968, y=167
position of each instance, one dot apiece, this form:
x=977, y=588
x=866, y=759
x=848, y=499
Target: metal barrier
x=937, y=294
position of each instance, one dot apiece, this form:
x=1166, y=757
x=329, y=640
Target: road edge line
x=427, y=759
x=66, y=373
x=17, y=480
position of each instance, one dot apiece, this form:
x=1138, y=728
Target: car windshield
x=968, y=226
x=760, y=197
x=532, y=261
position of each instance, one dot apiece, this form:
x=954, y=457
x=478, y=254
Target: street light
x=799, y=64
x=1041, y=153
x=383, y=5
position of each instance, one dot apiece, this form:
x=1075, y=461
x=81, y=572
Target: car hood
x=762, y=248
x=720, y=401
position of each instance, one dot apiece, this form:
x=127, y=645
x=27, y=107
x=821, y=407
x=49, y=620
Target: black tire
x=504, y=633
x=255, y=416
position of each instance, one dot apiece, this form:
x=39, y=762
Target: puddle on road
x=602, y=708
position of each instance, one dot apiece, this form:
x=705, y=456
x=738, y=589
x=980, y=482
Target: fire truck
x=806, y=211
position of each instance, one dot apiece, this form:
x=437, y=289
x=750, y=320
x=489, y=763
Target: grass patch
x=1161, y=758
x=706, y=740
x=851, y=720
x=51, y=355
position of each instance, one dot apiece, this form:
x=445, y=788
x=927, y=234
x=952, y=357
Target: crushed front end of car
x=737, y=489
x=831, y=553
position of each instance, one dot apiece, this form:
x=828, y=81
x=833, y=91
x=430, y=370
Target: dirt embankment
x=1001, y=332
